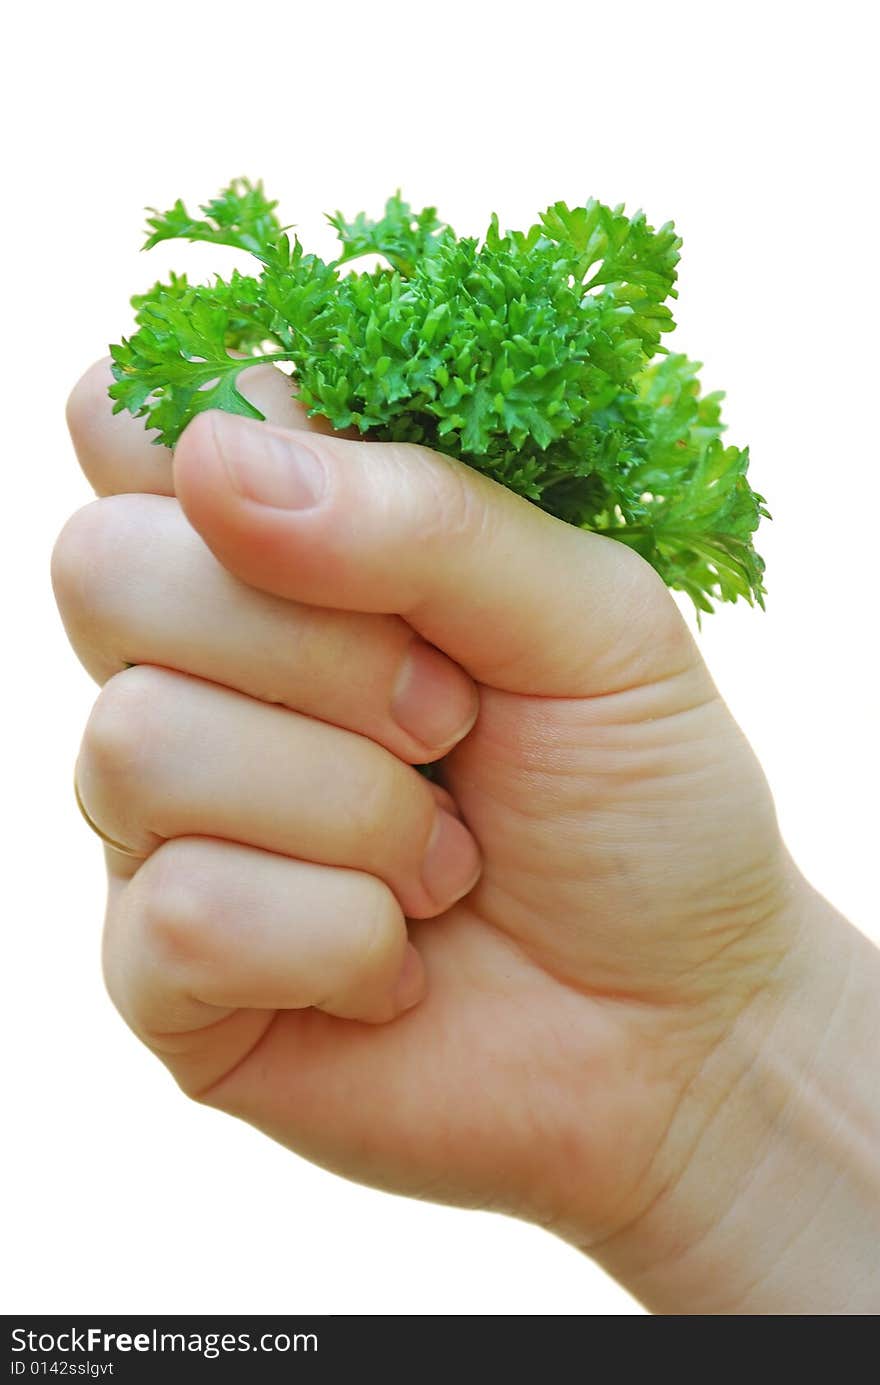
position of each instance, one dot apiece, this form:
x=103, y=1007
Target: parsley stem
x=621, y=531
x=246, y=361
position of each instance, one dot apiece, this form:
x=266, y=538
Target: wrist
x=775, y=1207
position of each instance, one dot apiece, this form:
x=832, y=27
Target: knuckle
x=88, y=559
x=380, y=809
x=371, y=804
x=121, y=728
x=448, y=501
x=73, y=556
x=175, y=906
x=658, y=633
x=380, y=933
x=87, y=407
x=84, y=396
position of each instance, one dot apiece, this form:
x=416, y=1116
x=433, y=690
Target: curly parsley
x=535, y=357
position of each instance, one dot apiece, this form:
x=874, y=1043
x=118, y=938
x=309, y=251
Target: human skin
x=640, y=1028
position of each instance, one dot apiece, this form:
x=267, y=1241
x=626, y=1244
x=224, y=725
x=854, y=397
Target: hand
x=566, y=1042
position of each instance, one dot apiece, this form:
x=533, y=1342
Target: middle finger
x=137, y=585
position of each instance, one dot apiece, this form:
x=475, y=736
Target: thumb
x=523, y=601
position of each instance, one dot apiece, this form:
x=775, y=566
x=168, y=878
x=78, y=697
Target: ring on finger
x=108, y=841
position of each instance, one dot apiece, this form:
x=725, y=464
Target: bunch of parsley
x=533, y=356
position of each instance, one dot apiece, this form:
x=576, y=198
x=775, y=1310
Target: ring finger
x=166, y=755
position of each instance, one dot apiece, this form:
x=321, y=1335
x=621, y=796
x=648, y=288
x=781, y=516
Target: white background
x=751, y=127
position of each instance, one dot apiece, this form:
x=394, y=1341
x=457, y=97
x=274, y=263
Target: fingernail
x=410, y=985
x=452, y=861
x=433, y=699
x=269, y=466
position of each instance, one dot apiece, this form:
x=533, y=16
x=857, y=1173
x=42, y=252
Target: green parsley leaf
x=240, y=216
x=178, y=363
x=401, y=236
x=536, y=357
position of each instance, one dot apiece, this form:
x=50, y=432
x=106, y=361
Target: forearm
x=778, y=1208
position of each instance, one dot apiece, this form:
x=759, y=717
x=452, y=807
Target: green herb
x=534, y=356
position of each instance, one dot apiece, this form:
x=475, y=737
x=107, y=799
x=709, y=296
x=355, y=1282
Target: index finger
x=116, y=451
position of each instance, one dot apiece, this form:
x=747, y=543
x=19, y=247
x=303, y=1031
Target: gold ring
x=117, y=846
